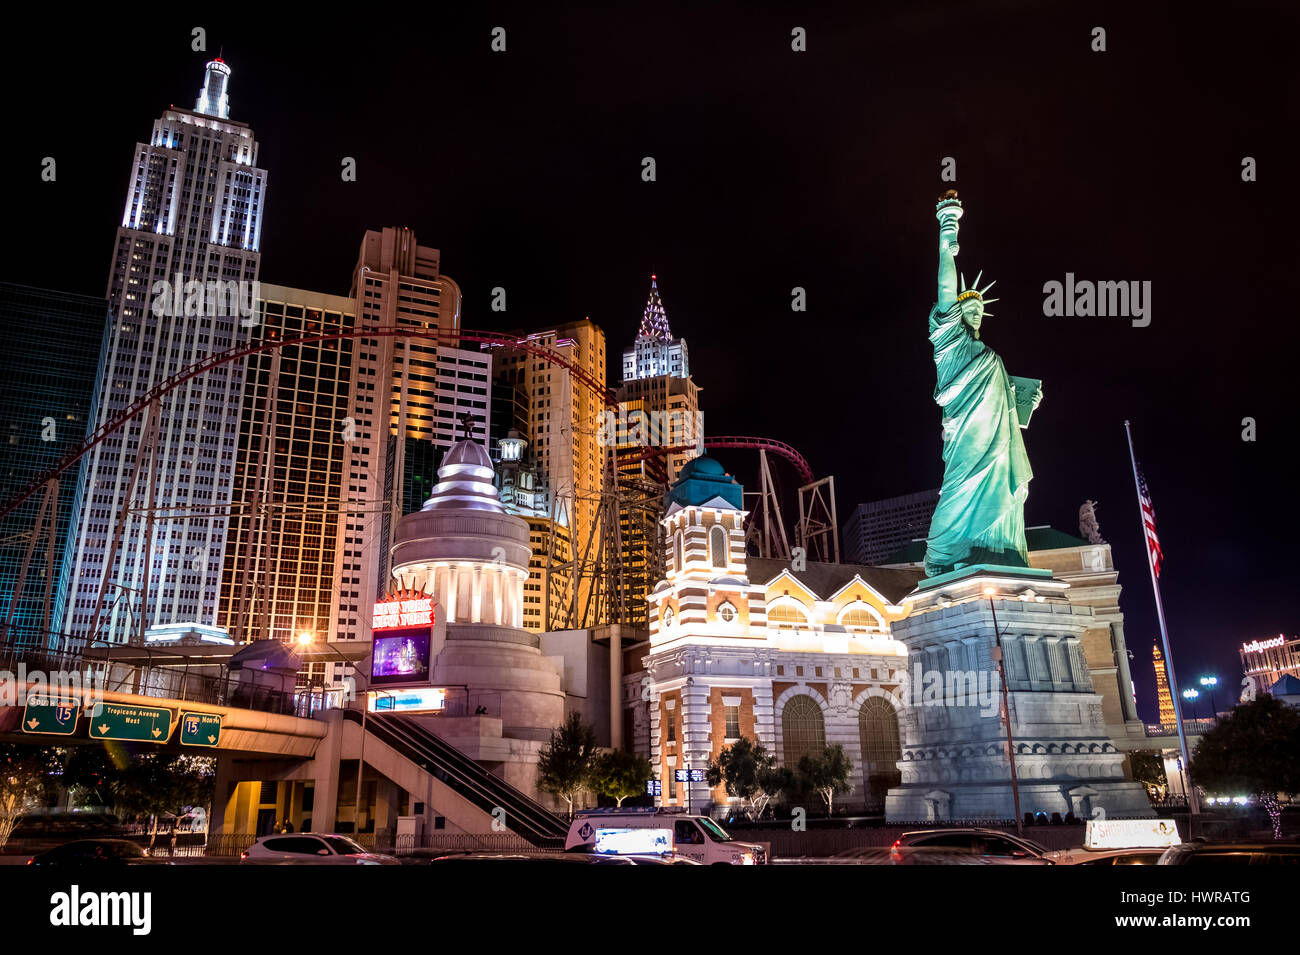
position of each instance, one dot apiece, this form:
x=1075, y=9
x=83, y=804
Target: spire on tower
x=213, y=99
x=654, y=322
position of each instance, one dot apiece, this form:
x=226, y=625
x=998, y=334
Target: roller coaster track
x=445, y=337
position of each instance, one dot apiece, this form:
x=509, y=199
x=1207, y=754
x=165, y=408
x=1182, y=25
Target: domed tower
x=704, y=527
x=472, y=557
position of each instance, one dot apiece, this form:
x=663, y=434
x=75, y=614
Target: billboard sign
x=418, y=699
x=402, y=650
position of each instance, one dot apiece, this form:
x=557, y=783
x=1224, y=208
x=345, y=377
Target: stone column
x=1120, y=649
x=223, y=817
x=616, y=685
x=476, y=595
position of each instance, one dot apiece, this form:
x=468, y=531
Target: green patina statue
x=980, y=518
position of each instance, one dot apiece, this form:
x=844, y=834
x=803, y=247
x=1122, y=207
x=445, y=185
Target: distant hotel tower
x=878, y=530
x=1166, y=698
x=47, y=386
x=193, y=213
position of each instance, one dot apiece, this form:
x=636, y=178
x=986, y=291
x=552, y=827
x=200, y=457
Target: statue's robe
x=981, y=513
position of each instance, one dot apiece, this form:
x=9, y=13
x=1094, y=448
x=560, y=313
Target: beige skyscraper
x=278, y=578
x=563, y=448
x=404, y=410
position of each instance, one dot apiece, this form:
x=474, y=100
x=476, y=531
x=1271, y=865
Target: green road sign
x=200, y=729
x=146, y=724
x=47, y=714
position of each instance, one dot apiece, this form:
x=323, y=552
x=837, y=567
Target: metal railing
x=164, y=682
x=1193, y=727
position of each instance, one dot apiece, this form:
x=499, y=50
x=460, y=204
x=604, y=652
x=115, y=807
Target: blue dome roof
x=701, y=480
x=703, y=466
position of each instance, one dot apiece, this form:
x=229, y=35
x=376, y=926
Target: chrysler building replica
x=182, y=287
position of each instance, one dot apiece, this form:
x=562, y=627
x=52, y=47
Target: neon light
x=1257, y=645
x=396, y=614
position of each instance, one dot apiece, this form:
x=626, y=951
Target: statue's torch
x=948, y=212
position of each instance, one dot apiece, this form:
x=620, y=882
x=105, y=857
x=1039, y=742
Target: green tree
x=143, y=783
x=774, y=782
x=749, y=773
x=619, y=774
x=565, y=763
x=1149, y=770
x=27, y=775
x=827, y=773
x=1256, y=750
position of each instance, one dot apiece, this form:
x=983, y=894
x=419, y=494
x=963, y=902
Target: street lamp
x=1210, y=682
x=991, y=592
x=1190, y=695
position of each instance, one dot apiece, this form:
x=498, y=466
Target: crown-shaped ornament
x=974, y=292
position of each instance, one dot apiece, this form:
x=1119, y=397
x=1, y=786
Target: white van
x=640, y=831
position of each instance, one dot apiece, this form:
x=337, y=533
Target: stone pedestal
x=954, y=743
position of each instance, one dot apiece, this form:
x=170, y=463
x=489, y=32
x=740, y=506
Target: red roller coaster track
x=444, y=337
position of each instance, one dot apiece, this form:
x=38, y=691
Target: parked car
x=1251, y=853
x=965, y=847
x=94, y=852
x=310, y=848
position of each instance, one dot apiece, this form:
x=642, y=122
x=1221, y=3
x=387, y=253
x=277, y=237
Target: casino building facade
x=797, y=657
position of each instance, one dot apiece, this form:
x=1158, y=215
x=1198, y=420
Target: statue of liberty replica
x=980, y=518
x=1033, y=737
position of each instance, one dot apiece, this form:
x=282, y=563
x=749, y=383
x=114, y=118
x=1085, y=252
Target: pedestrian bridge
x=47, y=699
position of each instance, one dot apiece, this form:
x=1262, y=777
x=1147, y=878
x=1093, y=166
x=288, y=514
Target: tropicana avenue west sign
x=143, y=724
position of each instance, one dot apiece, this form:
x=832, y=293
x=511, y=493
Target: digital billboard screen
x=400, y=656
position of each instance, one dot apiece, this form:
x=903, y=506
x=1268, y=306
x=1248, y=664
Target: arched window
x=860, y=618
x=878, y=733
x=803, y=730
x=718, y=546
x=727, y=612
x=678, y=564
x=787, y=615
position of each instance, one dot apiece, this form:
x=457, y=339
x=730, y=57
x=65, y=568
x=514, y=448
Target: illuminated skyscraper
x=406, y=405
x=181, y=287
x=658, y=408
x=564, y=450
x=1163, y=694
x=279, y=576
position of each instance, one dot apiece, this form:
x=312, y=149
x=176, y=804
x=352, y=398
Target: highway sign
x=200, y=729
x=145, y=724
x=45, y=714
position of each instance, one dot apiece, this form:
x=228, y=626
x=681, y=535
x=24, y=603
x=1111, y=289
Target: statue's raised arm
x=948, y=212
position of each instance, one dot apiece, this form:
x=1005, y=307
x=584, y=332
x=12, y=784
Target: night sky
x=779, y=169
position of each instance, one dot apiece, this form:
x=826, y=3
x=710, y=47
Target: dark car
x=93, y=852
x=957, y=847
x=1252, y=853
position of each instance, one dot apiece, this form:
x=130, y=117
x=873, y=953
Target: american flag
x=1149, y=524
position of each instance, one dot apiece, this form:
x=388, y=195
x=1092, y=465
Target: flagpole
x=1192, y=806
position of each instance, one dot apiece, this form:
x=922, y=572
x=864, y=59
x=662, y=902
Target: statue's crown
x=976, y=293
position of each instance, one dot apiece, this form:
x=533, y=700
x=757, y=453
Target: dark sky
x=779, y=169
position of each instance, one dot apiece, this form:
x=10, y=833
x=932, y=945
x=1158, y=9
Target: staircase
x=467, y=778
